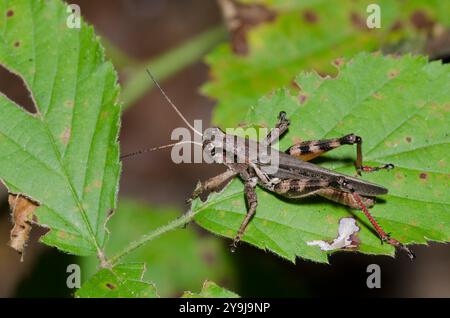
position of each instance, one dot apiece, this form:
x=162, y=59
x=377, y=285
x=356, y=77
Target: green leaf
x=211, y=290
x=400, y=107
x=308, y=35
x=65, y=156
x=177, y=261
x=123, y=281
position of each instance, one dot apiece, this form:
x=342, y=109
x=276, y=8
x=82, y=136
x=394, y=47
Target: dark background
x=146, y=29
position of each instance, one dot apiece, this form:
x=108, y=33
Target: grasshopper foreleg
x=212, y=184
x=280, y=128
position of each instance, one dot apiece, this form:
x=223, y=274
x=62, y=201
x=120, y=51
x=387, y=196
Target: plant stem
x=184, y=219
x=168, y=64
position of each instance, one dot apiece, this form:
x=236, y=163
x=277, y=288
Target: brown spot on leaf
x=421, y=21
x=62, y=234
x=310, y=16
x=302, y=98
x=104, y=114
x=17, y=44
x=65, y=136
x=358, y=21
x=68, y=103
x=393, y=73
x=330, y=219
x=338, y=62
x=408, y=139
x=240, y=18
x=111, y=286
x=22, y=211
x=97, y=183
x=423, y=176
x=377, y=96
x=9, y=13
x=236, y=203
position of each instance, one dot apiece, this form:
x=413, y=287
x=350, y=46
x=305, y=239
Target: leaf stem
x=168, y=64
x=184, y=219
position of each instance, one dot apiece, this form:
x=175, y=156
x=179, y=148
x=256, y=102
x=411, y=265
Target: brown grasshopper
x=294, y=177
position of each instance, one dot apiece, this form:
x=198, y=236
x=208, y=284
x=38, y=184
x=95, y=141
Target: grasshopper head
x=213, y=144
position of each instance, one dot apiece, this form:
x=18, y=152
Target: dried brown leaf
x=240, y=18
x=22, y=211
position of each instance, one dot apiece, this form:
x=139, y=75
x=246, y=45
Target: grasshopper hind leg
x=308, y=150
x=345, y=198
x=359, y=157
x=385, y=237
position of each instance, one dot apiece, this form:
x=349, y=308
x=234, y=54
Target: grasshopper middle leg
x=288, y=187
x=252, y=202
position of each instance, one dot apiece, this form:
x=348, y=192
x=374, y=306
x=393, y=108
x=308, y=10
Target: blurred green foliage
x=309, y=35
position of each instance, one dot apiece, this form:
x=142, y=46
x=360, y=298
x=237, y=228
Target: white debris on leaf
x=347, y=227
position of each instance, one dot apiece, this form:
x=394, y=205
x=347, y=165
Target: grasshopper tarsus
x=353, y=139
x=282, y=120
x=388, y=166
x=396, y=243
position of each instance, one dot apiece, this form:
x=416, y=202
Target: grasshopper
x=295, y=177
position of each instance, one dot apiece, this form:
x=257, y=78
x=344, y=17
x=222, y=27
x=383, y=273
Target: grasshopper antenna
x=171, y=103
x=142, y=151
